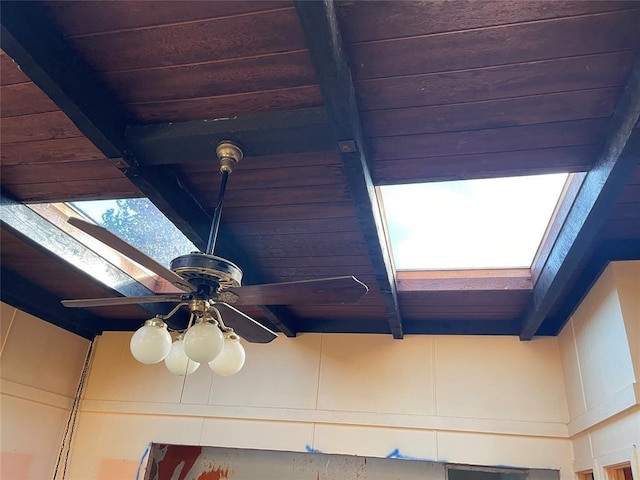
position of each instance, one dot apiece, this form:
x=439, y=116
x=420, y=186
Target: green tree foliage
x=140, y=223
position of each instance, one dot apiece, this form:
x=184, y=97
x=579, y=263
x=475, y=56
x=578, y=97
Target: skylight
x=140, y=223
x=487, y=223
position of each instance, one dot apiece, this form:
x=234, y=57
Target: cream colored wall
x=600, y=348
x=40, y=368
x=478, y=400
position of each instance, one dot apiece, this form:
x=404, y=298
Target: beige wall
x=40, y=368
x=479, y=400
x=568, y=403
x=600, y=348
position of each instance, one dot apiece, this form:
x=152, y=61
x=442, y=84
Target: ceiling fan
x=212, y=286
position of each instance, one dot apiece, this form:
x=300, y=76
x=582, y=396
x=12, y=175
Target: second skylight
x=487, y=223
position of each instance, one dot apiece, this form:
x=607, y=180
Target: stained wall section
x=40, y=370
x=477, y=400
x=568, y=403
x=600, y=348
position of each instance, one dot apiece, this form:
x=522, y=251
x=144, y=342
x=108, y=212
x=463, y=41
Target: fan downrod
x=229, y=154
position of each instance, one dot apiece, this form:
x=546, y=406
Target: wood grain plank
x=290, y=227
x=75, y=190
x=290, y=160
x=49, y=152
x=621, y=229
x=47, y=270
x=10, y=71
x=492, y=83
x=322, y=33
x=23, y=99
x=285, y=273
x=308, y=262
x=463, y=317
x=312, y=175
x=214, y=78
x=51, y=173
x=597, y=194
x=214, y=39
x=344, y=312
x=546, y=135
x=91, y=17
x=32, y=128
x=622, y=211
x=501, y=45
x=368, y=278
x=555, y=107
x=462, y=311
x=630, y=194
x=466, y=297
x=367, y=21
x=347, y=243
x=225, y=105
x=334, y=209
x=314, y=194
x=485, y=165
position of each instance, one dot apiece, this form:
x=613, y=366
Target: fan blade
x=115, y=242
x=108, y=302
x=245, y=326
x=306, y=292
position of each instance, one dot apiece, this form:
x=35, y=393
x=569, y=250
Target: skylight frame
x=57, y=213
x=432, y=279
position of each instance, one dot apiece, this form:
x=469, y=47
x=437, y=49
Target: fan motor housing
x=202, y=269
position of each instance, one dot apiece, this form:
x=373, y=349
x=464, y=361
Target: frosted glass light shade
x=203, y=342
x=177, y=361
x=231, y=359
x=151, y=342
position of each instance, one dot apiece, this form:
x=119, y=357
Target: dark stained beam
x=415, y=327
x=598, y=192
x=320, y=26
x=606, y=252
x=280, y=318
x=33, y=299
x=270, y=133
x=29, y=37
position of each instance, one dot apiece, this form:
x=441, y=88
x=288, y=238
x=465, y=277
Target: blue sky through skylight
x=486, y=223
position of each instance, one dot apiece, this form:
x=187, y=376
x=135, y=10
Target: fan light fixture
x=177, y=361
x=152, y=342
x=232, y=357
x=206, y=340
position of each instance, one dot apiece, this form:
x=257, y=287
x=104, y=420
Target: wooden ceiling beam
x=608, y=251
x=323, y=37
x=415, y=327
x=597, y=194
x=25, y=295
x=29, y=37
x=270, y=133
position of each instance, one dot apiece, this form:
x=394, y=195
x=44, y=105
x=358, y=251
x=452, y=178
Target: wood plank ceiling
x=444, y=90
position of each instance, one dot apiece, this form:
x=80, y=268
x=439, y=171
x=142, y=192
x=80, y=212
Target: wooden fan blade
x=307, y=292
x=245, y=326
x=108, y=302
x=115, y=242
